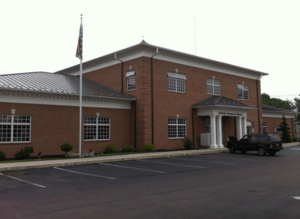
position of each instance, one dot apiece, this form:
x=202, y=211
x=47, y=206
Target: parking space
x=204, y=178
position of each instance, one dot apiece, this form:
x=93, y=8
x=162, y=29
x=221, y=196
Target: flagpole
x=80, y=101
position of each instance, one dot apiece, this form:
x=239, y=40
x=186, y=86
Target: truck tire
x=232, y=149
x=261, y=151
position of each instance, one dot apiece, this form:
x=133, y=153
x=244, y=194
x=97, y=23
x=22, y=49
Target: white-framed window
x=176, y=82
x=96, y=128
x=213, y=86
x=265, y=130
x=248, y=123
x=15, y=128
x=130, y=75
x=243, y=92
x=177, y=128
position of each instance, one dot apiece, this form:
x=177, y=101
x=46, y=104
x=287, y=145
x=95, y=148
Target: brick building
x=142, y=94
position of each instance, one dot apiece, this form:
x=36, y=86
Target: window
x=213, y=86
x=177, y=128
x=248, y=123
x=176, y=82
x=263, y=138
x=265, y=128
x=15, y=128
x=96, y=128
x=254, y=138
x=243, y=92
x=130, y=75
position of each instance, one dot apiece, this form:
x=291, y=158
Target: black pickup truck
x=270, y=143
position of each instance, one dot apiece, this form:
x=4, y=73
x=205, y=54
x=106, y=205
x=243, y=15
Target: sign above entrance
x=230, y=114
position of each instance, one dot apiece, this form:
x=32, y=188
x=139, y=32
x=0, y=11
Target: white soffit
x=278, y=114
x=62, y=100
x=209, y=65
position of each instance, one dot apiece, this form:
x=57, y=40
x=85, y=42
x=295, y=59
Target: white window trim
x=243, y=98
x=213, y=87
x=12, y=130
x=177, y=127
x=266, y=125
x=97, y=129
x=134, y=83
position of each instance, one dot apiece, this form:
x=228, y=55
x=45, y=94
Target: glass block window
x=213, y=86
x=130, y=75
x=96, y=128
x=15, y=128
x=177, y=128
x=176, y=82
x=243, y=92
x=265, y=128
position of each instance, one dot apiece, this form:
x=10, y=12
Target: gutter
x=152, y=101
x=121, y=71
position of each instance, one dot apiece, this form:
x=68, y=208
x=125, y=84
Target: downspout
x=152, y=106
x=134, y=125
x=193, y=129
x=257, y=90
x=121, y=71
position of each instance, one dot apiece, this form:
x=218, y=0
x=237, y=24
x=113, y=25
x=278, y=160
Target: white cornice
x=61, y=100
x=165, y=55
x=274, y=114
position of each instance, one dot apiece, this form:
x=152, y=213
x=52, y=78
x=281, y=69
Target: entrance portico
x=216, y=107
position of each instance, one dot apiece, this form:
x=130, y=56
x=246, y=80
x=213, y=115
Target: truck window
x=274, y=138
x=254, y=138
x=263, y=137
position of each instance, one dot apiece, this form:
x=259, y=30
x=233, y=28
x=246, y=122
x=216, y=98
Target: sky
x=262, y=35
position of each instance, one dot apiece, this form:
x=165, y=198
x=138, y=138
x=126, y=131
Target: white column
x=213, y=131
x=239, y=127
x=244, y=125
x=219, y=131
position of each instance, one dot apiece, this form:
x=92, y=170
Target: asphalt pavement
x=219, y=185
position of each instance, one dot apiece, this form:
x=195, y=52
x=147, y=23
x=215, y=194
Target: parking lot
x=219, y=185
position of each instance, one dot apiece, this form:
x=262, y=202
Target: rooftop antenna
x=195, y=36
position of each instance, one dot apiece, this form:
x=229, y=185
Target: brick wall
x=51, y=126
x=271, y=127
x=169, y=104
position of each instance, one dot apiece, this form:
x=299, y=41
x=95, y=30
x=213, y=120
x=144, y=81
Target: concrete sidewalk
x=91, y=160
x=104, y=159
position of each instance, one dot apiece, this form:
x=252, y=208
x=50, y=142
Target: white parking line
x=132, y=168
x=23, y=181
x=105, y=177
x=296, y=149
x=202, y=161
x=224, y=157
x=172, y=164
x=295, y=197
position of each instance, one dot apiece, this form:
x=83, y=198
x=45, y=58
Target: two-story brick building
x=155, y=95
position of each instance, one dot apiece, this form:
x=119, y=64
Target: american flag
x=79, y=46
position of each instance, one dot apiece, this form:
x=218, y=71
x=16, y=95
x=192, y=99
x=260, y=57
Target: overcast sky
x=262, y=35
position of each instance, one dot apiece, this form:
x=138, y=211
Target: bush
x=128, y=148
x=66, y=147
x=24, y=153
x=187, y=143
x=2, y=156
x=148, y=148
x=111, y=149
x=295, y=139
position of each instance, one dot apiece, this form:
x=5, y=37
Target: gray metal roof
x=44, y=82
x=144, y=44
x=222, y=101
x=276, y=109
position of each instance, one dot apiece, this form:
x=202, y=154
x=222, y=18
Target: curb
x=93, y=160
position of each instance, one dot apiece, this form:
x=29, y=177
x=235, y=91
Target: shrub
x=111, y=149
x=66, y=147
x=2, y=156
x=128, y=148
x=24, y=153
x=187, y=143
x=148, y=148
x=295, y=139
x=72, y=155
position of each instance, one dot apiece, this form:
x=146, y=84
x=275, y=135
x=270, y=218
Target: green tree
x=284, y=104
x=285, y=133
x=297, y=105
